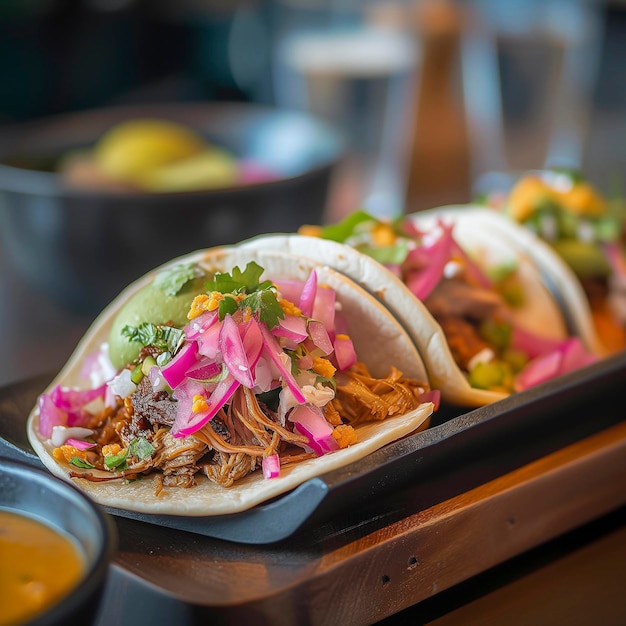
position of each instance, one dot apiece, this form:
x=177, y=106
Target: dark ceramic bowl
x=81, y=247
x=34, y=492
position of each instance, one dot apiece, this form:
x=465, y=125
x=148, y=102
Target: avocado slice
x=151, y=305
x=586, y=259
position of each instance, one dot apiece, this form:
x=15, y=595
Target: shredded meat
x=361, y=397
x=234, y=442
x=457, y=298
x=155, y=407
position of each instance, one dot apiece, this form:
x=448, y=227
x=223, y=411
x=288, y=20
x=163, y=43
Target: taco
x=585, y=230
x=225, y=378
x=474, y=303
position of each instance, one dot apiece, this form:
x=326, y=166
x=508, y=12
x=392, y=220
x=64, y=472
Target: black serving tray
x=462, y=449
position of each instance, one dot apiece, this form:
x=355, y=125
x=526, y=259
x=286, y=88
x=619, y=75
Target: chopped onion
x=422, y=282
x=122, y=385
x=345, y=354
x=275, y=353
x=271, y=466
x=187, y=422
x=209, y=341
x=253, y=342
x=293, y=328
x=49, y=415
x=568, y=356
x=234, y=354
x=200, y=324
x=174, y=371
x=319, y=336
x=324, y=308
x=434, y=396
x=310, y=422
x=308, y=295
x=205, y=370
x=290, y=289
x=62, y=434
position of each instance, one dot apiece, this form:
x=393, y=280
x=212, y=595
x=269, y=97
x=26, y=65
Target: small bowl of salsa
x=56, y=546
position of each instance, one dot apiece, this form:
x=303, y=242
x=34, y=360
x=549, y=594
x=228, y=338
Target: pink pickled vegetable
x=569, y=356
x=345, y=354
x=204, y=370
x=209, y=340
x=310, y=422
x=472, y=269
x=434, y=396
x=531, y=344
x=290, y=289
x=174, y=371
x=422, y=282
x=275, y=353
x=253, y=342
x=233, y=352
x=319, y=336
x=293, y=328
x=49, y=415
x=200, y=324
x=271, y=466
x=79, y=444
x=308, y=295
x=187, y=422
x=324, y=308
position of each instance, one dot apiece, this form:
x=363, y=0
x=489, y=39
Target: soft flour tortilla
x=380, y=342
x=562, y=282
x=541, y=313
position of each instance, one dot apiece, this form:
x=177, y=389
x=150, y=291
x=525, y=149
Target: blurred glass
x=529, y=70
x=343, y=61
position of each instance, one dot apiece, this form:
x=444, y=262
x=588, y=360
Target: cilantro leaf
x=76, y=461
x=116, y=461
x=141, y=448
x=171, y=280
x=238, y=281
x=344, y=229
x=166, y=338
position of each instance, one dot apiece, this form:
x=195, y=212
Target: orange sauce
x=38, y=566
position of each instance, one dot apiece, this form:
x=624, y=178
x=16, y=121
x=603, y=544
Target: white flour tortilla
x=380, y=342
x=474, y=233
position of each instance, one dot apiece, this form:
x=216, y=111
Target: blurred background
x=420, y=103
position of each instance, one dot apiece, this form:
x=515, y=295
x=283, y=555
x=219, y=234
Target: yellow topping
x=525, y=196
x=383, y=235
x=199, y=404
x=209, y=302
x=310, y=231
x=111, y=449
x=67, y=453
x=583, y=199
x=323, y=367
x=289, y=308
x=344, y=435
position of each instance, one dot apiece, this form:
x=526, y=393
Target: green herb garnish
x=165, y=338
x=140, y=448
x=76, y=461
x=260, y=296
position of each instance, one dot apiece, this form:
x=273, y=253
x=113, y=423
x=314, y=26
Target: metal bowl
x=27, y=490
x=81, y=247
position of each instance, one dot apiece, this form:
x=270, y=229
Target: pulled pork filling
x=234, y=442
